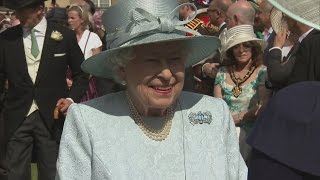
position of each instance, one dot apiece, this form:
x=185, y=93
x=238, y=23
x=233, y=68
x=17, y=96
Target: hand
x=69, y=83
x=210, y=69
x=64, y=105
x=280, y=39
x=237, y=118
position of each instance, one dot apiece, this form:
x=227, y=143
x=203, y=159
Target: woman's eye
x=151, y=60
x=175, y=59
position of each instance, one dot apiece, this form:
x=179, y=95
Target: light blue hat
x=131, y=23
x=304, y=11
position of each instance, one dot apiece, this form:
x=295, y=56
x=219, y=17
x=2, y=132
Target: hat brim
x=199, y=48
x=239, y=41
x=308, y=14
x=277, y=22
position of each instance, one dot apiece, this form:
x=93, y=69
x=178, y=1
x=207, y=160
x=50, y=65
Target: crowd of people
x=170, y=89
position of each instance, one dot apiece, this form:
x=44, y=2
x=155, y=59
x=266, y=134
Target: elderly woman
x=242, y=83
x=152, y=130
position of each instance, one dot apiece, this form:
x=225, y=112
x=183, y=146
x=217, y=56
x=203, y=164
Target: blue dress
x=101, y=141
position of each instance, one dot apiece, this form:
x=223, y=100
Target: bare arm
x=96, y=50
x=217, y=91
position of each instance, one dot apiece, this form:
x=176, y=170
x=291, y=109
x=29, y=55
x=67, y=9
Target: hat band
x=147, y=24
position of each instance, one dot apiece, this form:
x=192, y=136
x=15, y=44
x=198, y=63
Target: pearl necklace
x=154, y=134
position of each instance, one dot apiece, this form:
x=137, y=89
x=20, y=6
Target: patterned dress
x=247, y=99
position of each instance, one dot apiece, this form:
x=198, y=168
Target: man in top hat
x=34, y=57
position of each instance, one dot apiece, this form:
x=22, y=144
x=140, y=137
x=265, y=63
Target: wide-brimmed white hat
x=236, y=35
x=304, y=11
x=278, y=23
x=132, y=23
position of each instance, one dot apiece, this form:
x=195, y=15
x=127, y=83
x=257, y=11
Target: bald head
x=240, y=12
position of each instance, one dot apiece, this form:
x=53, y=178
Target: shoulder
x=194, y=23
x=312, y=39
x=199, y=101
x=110, y=101
x=223, y=69
x=94, y=38
x=12, y=32
x=262, y=69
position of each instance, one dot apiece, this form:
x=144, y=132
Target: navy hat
x=289, y=128
x=17, y=4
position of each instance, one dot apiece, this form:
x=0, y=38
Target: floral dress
x=247, y=99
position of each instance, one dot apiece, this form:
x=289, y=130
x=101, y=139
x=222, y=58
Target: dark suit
x=279, y=71
x=266, y=52
x=50, y=84
x=307, y=63
x=286, y=135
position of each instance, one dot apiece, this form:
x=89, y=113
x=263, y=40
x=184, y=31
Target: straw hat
x=277, y=22
x=236, y=35
x=148, y=22
x=304, y=11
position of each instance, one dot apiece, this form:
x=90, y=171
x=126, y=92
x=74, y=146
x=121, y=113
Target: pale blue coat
x=101, y=141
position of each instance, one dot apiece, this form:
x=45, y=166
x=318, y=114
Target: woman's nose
x=165, y=73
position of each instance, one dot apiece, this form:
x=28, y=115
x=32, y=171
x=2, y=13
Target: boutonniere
x=56, y=35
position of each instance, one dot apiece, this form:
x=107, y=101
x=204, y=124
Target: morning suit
x=269, y=44
x=307, y=63
x=48, y=86
x=101, y=141
x=280, y=70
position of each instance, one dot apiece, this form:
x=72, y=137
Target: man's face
x=183, y=12
x=214, y=14
x=264, y=14
x=292, y=24
x=29, y=17
x=230, y=20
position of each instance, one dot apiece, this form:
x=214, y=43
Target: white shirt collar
x=304, y=35
x=41, y=27
x=222, y=24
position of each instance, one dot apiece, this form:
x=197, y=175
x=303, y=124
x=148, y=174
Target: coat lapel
x=45, y=55
x=20, y=58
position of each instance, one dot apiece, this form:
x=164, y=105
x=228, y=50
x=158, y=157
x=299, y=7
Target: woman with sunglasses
x=242, y=82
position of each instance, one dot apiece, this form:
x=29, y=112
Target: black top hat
x=17, y=4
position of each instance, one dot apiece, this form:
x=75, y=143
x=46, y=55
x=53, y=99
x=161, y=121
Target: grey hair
x=119, y=60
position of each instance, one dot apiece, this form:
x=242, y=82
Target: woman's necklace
x=236, y=91
x=154, y=134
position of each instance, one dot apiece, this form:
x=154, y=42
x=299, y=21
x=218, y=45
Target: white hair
x=119, y=60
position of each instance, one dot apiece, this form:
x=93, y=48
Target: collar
x=222, y=24
x=270, y=31
x=304, y=35
x=40, y=27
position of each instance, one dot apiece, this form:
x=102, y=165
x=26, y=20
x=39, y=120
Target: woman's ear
x=122, y=76
x=122, y=73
